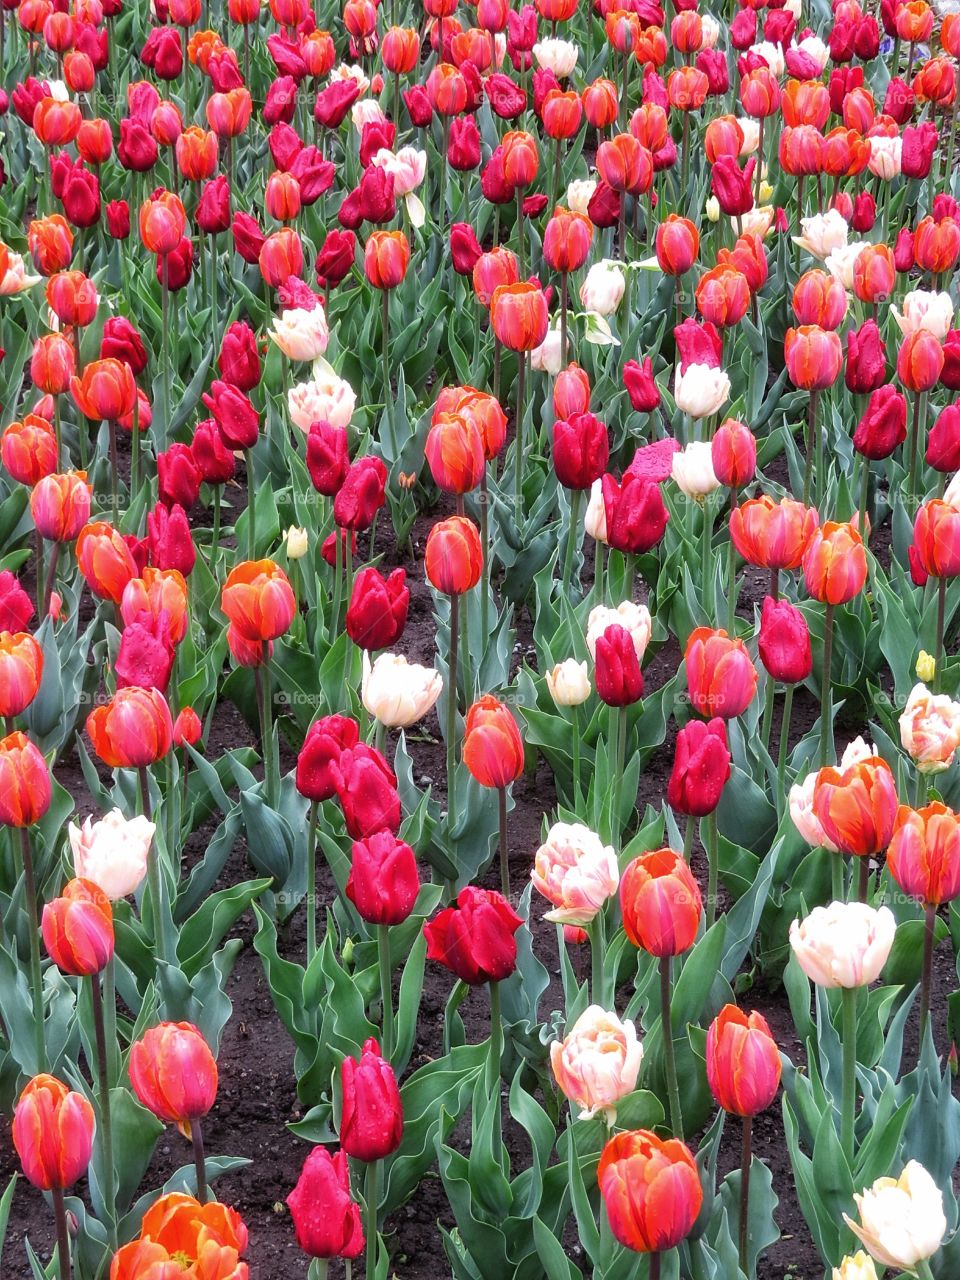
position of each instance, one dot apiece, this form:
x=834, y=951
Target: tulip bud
x=784, y=642
x=661, y=903
x=173, y=1073
x=78, y=929
x=639, y=1172
x=743, y=1062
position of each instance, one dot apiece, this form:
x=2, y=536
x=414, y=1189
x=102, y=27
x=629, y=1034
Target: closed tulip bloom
x=874, y=274
x=455, y=453
x=567, y=239
x=661, y=903
x=301, y=334
x=518, y=315
x=53, y=1130
x=385, y=258
x=78, y=929
x=112, y=853
x=132, y=730
x=835, y=563
x=633, y=618
x=561, y=113
x=475, y=938
x=772, y=535
x=723, y=296
x=635, y=513
x=453, y=556
x=845, y=944
x=160, y=595
x=641, y=385
x=571, y=392
x=784, y=641
x=856, y=806
x=901, y=1219
x=377, y=612
x=866, y=366
x=575, y=871
x=447, y=89
x=162, y=222
x=371, y=1120
x=50, y=241
x=600, y=103
x=884, y=424
x=743, y=1062
x=857, y=1266
x=173, y=1073
x=936, y=245
x=581, y=450
x=398, y=693
x=280, y=257
x=618, y=676
x=568, y=683
x=327, y=1222
x=53, y=364
x=106, y=390
x=603, y=288
x=651, y=1190
x=813, y=356
x=701, y=768
x=196, y=152
x=919, y=361
x=597, y=1063
x=24, y=782
x=60, y=505
x=733, y=453
x=924, y=853
x=625, y=165
x=936, y=538
x=383, y=881
x=692, y=470
x=819, y=299
x=258, y=600
x=400, y=49
x=21, y=667
x=701, y=390
x=28, y=450
x=318, y=764
x=519, y=157
x=721, y=679
x=677, y=245
x=930, y=729
x=367, y=791
x=492, y=746
x=498, y=267
x=482, y=409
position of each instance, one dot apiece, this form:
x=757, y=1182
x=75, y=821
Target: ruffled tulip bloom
x=597, y=1063
x=179, y=1232
x=721, y=679
x=575, y=871
x=845, y=944
x=661, y=903
x=25, y=788
x=743, y=1062
x=53, y=1130
x=399, y=693
x=21, y=669
x=784, y=641
x=173, y=1073
x=475, y=938
x=78, y=929
x=924, y=853
x=930, y=729
x=453, y=556
x=300, y=334
x=112, y=853
x=383, y=882
x=132, y=730
x=701, y=768
x=835, y=563
x=568, y=683
x=650, y=1189
x=371, y=1119
x=258, y=600
x=902, y=1222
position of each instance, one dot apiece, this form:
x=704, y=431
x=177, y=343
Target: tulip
x=474, y=939
x=618, y=676
x=21, y=668
x=568, y=683
x=383, y=881
x=53, y=1132
x=77, y=929
x=857, y=1266
x=112, y=853
x=661, y=903
x=300, y=334
x=597, y=1063
x=371, y=1120
x=28, y=450
x=327, y=1222
x=692, y=471
x=179, y=1232
x=700, y=390
x=377, y=613
x=856, y=807
x=258, y=600
x=132, y=730
x=24, y=782
x=367, y=791
x=455, y=452
x=701, y=768
x=603, y=288
x=398, y=693
x=721, y=679
x=106, y=391
x=733, y=454
x=784, y=642
x=650, y=1189
x=930, y=729
x=902, y=1222
x=575, y=871
x=634, y=512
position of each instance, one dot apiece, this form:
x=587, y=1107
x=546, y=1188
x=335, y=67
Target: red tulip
x=651, y=1190
x=475, y=938
x=661, y=903
x=371, y=1120
x=701, y=768
x=743, y=1062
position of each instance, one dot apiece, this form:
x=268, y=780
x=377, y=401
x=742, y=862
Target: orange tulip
x=601, y=103
x=625, y=164
x=50, y=241
x=447, y=89
x=561, y=112
x=281, y=256
x=385, y=258
x=518, y=314
x=566, y=240
x=914, y=21
x=721, y=679
x=520, y=158
x=835, y=563
x=772, y=535
x=677, y=245
x=743, y=1061
x=857, y=808
x=760, y=93
x=497, y=267
x=919, y=360
x=24, y=782
x=258, y=600
x=813, y=356
x=228, y=114
x=492, y=746
x=845, y=152
x=21, y=668
x=56, y=123
x=805, y=102
x=936, y=245
x=197, y=152
x=723, y=136
x=649, y=125
x=163, y=222
x=400, y=50
x=874, y=273
x=158, y=594
x=181, y=1237
x=53, y=364
x=173, y=1073
x=106, y=391
x=53, y=1133
x=73, y=298
x=455, y=454
x=936, y=538
x=60, y=505
x=132, y=730
x=282, y=197
x=29, y=449
x=723, y=296
x=819, y=299
x=924, y=853
x=661, y=903
x=78, y=929
x=453, y=557
x=105, y=560
x=651, y=1190
x=482, y=409
x=687, y=88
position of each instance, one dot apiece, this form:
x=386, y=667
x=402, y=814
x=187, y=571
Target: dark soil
x=257, y=1095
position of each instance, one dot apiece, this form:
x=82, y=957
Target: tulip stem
x=564, y=288
x=518, y=474
x=266, y=723
x=493, y=1062
x=114, y=469
x=165, y=345
x=919, y=418
x=826, y=709
x=655, y=1266
x=36, y=973
x=385, y=325
x=929, y=938
x=386, y=988
x=811, y=436
x=732, y=576
x=849, y=1099
x=106, y=1126
x=251, y=507
x=769, y=696
x=595, y=931
x=940, y=652
x=572, y=532
x=371, y=1194
x=63, y=1235
x=520, y=253
x=452, y=710
x=153, y=867
x=199, y=1163
x=713, y=865
x=504, y=852
x=485, y=567
x=670, y=1062
x=746, y=1159
x=576, y=756
x=865, y=499
x=312, y=881
x=688, y=838
x=784, y=741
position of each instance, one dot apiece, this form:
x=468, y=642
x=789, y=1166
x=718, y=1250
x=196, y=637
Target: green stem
x=154, y=878
x=811, y=436
x=784, y=741
x=386, y=988
x=312, y=881
x=63, y=1234
x=452, y=710
x=493, y=1062
x=36, y=972
x=574, y=529
x=518, y=475
x=688, y=838
x=713, y=860
x=670, y=1062
x=266, y=726
x=919, y=420
x=485, y=567
x=576, y=756
x=826, y=709
x=504, y=851
x=251, y=507
x=598, y=991
x=745, y=1162
x=929, y=938
x=385, y=325
x=732, y=576
x=939, y=651
x=106, y=1126
x=769, y=696
x=849, y=1100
